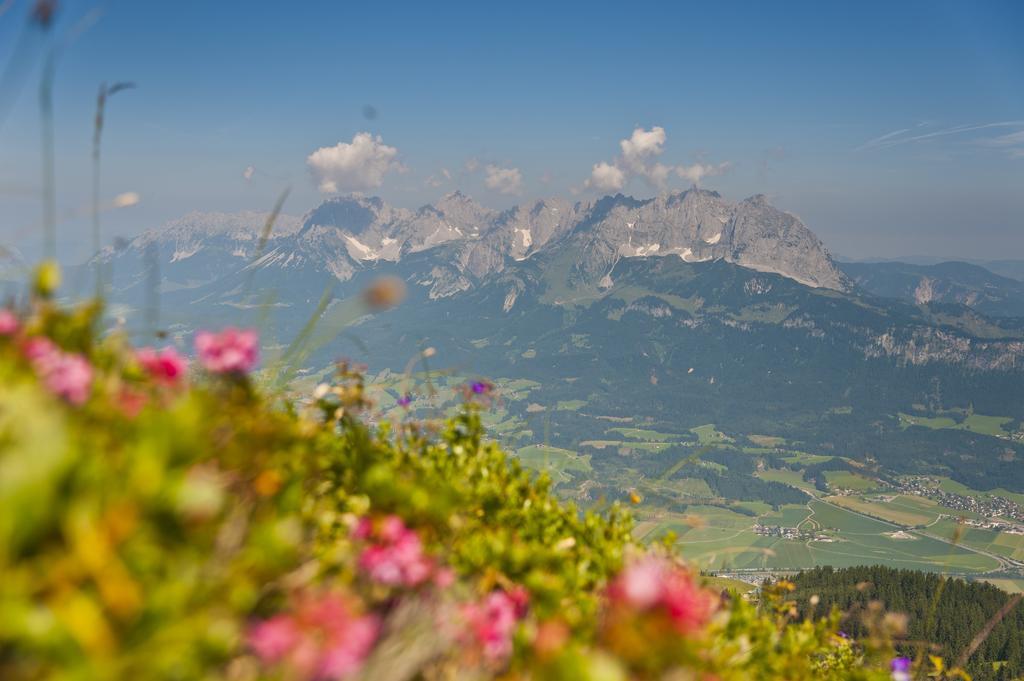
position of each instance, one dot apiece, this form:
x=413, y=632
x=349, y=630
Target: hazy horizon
x=888, y=130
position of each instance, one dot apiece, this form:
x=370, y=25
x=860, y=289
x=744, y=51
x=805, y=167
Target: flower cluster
x=394, y=555
x=165, y=367
x=654, y=583
x=323, y=637
x=232, y=351
x=66, y=375
x=9, y=323
x=244, y=500
x=493, y=621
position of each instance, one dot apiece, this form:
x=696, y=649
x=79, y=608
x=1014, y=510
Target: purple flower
x=405, y=400
x=480, y=387
x=900, y=667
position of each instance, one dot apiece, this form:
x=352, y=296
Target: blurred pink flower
x=444, y=578
x=363, y=528
x=493, y=622
x=38, y=348
x=66, y=375
x=272, y=639
x=70, y=377
x=232, y=351
x=131, y=401
x=654, y=582
x=395, y=557
x=165, y=366
x=9, y=323
x=641, y=583
x=689, y=605
x=323, y=638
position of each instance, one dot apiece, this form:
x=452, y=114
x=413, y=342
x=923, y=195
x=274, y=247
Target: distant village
x=790, y=533
x=999, y=513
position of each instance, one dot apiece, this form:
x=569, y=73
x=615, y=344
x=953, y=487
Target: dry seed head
x=384, y=293
x=895, y=624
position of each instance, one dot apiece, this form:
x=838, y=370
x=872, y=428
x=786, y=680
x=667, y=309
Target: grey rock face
x=468, y=242
x=700, y=225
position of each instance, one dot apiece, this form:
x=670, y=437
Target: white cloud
x=1013, y=143
x=657, y=174
x=471, y=165
x=435, y=181
x=698, y=171
x=643, y=143
x=503, y=180
x=353, y=166
x=606, y=178
x=898, y=137
x=639, y=152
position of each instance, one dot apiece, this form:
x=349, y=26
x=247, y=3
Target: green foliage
x=946, y=612
x=153, y=524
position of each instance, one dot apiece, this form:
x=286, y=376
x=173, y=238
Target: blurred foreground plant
x=161, y=521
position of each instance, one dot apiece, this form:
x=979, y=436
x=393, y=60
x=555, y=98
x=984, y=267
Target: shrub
x=165, y=522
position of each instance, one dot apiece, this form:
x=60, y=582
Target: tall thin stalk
x=49, y=181
x=102, y=95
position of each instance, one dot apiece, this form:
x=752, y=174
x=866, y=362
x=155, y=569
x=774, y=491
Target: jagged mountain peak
x=347, y=233
x=354, y=214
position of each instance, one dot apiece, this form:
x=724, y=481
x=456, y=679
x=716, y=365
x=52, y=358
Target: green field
x=693, y=487
x=864, y=541
x=849, y=480
x=902, y=509
x=976, y=423
x=709, y=435
x=720, y=583
x=644, y=435
x=716, y=538
x=786, y=477
x=789, y=515
x=999, y=543
x=620, y=444
x=1009, y=585
x=560, y=464
x=807, y=459
x=767, y=440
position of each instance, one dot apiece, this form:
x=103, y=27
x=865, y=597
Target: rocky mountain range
x=346, y=235
x=671, y=312
x=973, y=286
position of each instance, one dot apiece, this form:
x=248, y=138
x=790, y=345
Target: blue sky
x=792, y=99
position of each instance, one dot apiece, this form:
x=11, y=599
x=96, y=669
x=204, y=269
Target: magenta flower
x=493, y=622
x=232, y=351
x=9, y=323
x=655, y=583
x=165, y=366
x=66, y=375
x=405, y=400
x=323, y=638
x=480, y=387
x=395, y=556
